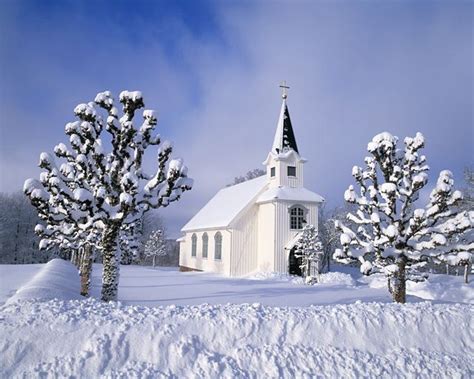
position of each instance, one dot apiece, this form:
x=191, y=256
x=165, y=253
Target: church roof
x=226, y=205
x=291, y=194
x=284, y=136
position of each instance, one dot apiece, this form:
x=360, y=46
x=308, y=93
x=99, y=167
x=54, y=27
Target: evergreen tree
x=310, y=249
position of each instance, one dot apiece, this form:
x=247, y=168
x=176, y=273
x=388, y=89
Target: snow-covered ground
x=260, y=326
x=12, y=277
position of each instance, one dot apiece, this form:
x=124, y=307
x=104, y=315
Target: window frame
x=218, y=246
x=297, y=216
x=288, y=171
x=272, y=172
x=205, y=245
x=194, y=245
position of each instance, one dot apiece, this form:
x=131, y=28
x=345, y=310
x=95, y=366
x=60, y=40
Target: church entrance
x=294, y=264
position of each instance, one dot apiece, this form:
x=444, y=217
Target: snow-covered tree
x=328, y=234
x=458, y=251
x=310, y=249
x=156, y=246
x=95, y=189
x=18, y=242
x=468, y=200
x=391, y=235
x=129, y=242
x=81, y=242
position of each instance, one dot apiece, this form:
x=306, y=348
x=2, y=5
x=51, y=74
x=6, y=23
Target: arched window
x=193, y=245
x=297, y=217
x=205, y=242
x=218, y=246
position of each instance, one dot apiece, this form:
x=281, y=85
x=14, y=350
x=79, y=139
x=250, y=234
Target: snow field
x=13, y=277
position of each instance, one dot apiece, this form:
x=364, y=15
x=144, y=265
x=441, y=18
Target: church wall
x=221, y=266
x=244, y=234
x=266, y=240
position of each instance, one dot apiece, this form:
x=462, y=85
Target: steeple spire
x=284, y=137
x=284, y=87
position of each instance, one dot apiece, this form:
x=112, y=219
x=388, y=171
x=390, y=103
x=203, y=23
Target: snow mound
x=246, y=340
x=57, y=279
x=336, y=278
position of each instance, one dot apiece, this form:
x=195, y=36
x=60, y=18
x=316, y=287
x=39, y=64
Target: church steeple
x=284, y=163
x=284, y=137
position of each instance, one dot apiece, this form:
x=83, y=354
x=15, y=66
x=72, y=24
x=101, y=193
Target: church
x=253, y=226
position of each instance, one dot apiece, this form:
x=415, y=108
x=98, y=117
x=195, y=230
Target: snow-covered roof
x=224, y=207
x=284, y=156
x=291, y=244
x=288, y=193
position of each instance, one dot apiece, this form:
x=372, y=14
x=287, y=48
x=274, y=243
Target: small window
x=193, y=245
x=205, y=240
x=218, y=246
x=291, y=171
x=272, y=172
x=297, y=218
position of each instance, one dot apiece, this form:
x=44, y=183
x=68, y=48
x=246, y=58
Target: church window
x=205, y=240
x=272, y=172
x=218, y=246
x=193, y=245
x=291, y=171
x=297, y=217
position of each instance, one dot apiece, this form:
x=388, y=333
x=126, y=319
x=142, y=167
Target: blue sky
x=212, y=71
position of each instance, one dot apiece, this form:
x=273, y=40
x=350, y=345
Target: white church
x=253, y=226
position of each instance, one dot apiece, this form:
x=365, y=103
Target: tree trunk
x=80, y=258
x=397, y=283
x=74, y=258
x=467, y=269
x=86, y=269
x=111, y=263
x=154, y=259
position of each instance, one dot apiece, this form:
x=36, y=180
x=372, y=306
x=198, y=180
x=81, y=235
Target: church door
x=294, y=264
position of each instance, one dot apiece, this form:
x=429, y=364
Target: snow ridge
x=205, y=341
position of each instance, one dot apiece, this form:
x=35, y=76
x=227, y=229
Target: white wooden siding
x=266, y=237
x=244, y=235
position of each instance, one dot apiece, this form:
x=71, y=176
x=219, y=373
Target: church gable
x=226, y=205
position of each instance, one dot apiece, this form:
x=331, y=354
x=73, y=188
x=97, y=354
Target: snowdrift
x=57, y=279
x=209, y=341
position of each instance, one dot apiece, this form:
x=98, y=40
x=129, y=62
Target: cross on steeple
x=284, y=88
x=284, y=137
